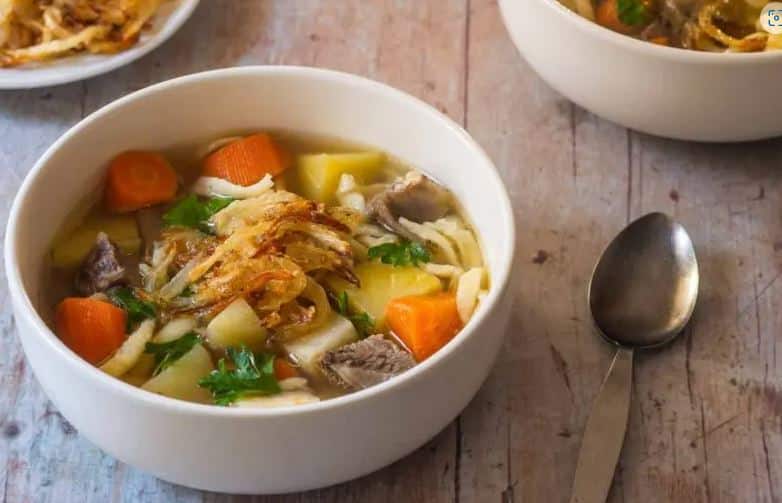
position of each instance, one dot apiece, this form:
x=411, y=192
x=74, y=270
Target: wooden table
x=705, y=422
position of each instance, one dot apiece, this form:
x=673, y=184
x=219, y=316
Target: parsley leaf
x=399, y=254
x=167, y=353
x=250, y=377
x=365, y=325
x=192, y=212
x=342, y=303
x=632, y=12
x=138, y=310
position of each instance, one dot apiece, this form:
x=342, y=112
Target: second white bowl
x=664, y=91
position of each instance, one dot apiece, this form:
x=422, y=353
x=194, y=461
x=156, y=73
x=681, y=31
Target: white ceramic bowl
x=664, y=91
x=257, y=451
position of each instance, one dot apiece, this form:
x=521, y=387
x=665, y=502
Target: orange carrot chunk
x=425, y=323
x=92, y=328
x=137, y=180
x=283, y=369
x=246, y=161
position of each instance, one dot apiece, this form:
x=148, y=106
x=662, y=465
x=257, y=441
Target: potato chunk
x=180, y=379
x=236, y=325
x=319, y=174
x=382, y=282
x=309, y=349
x=71, y=249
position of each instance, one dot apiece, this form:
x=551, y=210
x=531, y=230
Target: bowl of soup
x=691, y=70
x=261, y=279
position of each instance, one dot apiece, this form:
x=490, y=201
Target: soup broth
x=263, y=270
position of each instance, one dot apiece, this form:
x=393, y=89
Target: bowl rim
x=646, y=48
x=24, y=307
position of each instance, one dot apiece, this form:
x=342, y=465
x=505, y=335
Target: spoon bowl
x=645, y=285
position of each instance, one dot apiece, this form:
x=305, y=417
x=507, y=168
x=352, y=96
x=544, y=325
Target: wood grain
x=705, y=423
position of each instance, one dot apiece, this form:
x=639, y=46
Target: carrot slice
x=246, y=161
x=283, y=369
x=425, y=323
x=92, y=328
x=139, y=179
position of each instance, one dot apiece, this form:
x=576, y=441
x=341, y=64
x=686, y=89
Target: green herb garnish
x=187, y=292
x=365, y=325
x=193, y=212
x=399, y=254
x=248, y=378
x=167, y=353
x=632, y=12
x=138, y=310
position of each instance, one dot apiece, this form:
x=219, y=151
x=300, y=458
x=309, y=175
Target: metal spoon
x=642, y=294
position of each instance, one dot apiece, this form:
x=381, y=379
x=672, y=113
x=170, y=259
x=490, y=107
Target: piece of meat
x=365, y=363
x=101, y=269
x=414, y=197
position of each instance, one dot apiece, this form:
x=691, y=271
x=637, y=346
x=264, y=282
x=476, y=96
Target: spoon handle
x=604, y=433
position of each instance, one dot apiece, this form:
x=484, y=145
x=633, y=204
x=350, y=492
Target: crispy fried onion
x=265, y=250
x=707, y=16
x=38, y=30
x=300, y=319
x=276, y=222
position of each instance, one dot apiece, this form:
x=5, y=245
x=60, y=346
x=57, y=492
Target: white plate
x=171, y=16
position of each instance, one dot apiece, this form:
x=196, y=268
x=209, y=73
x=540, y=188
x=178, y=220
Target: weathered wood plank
x=708, y=405
x=29, y=122
x=567, y=173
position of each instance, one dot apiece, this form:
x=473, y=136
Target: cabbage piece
x=307, y=350
x=179, y=282
x=433, y=236
x=174, y=329
x=155, y=274
x=373, y=235
x=467, y=292
x=145, y=365
x=180, y=379
x=454, y=228
x=284, y=399
x=210, y=186
x=131, y=350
